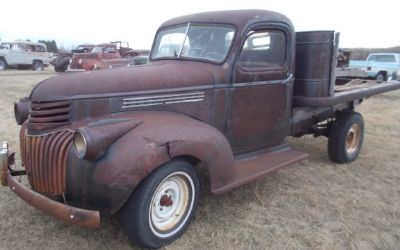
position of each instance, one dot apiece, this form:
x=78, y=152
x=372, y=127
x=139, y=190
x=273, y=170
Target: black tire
x=140, y=213
x=62, y=65
x=3, y=64
x=61, y=69
x=380, y=78
x=37, y=66
x=346, y=137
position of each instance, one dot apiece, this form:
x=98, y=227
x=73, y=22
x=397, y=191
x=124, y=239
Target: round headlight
x=80, y=144
x=21, y=110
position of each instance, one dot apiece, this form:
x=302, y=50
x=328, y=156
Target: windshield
x=194, y=42
x=82, y=48
x=5, y=46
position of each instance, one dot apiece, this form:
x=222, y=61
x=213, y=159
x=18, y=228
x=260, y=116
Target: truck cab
x=220, y=92
x=252, y=65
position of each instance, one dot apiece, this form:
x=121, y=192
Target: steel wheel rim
x=171, y=204
x=353, y=139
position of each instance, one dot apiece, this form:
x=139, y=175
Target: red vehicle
x=62, y=60
x=107, y=55
x=222, y=90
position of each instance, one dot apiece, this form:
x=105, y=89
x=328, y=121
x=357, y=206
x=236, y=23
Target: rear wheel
x=3, y=64
x=61, y=68
x=162, y=206
x=380, y=78
x=346, y=137
x=37, y=66
x=62, y=64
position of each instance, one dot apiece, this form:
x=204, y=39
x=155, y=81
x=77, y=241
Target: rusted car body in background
x=62, y=59
x=107, y=55
x=220, y=89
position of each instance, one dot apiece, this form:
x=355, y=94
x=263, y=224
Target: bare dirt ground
x=315, y=204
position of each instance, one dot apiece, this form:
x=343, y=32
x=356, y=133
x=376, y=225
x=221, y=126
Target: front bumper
x=72, y=215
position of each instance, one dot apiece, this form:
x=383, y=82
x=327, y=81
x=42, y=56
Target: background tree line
x=51, y=45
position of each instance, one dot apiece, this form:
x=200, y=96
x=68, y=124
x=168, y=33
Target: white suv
x=23, y=54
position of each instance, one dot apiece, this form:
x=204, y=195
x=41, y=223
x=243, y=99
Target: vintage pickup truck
x=131, y=140
x=379, y=66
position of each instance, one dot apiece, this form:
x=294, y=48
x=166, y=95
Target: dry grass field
x=315, y=204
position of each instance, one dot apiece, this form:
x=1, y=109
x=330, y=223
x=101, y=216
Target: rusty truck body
x=222, y=90
x=107, y=55
x=62, y=59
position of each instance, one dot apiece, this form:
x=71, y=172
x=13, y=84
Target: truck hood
x=121, y=81
x=88, y=55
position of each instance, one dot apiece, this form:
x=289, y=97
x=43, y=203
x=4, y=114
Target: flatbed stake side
x=220, y=91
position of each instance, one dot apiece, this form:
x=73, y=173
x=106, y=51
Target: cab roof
x=239, y=18
x=106, y=45
x=24, y=42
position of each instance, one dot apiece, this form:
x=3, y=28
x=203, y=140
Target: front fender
x=160, y=137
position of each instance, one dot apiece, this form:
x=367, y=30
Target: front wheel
x=346, y=137
x=37, y=66
x=3, y=64
x=162, y=206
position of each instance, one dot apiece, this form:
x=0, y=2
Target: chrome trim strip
x=141, y=105
x=193, y=100
x=164, y=99
x=146, y=101
x=162, y=96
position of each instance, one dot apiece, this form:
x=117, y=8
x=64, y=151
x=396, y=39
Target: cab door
x=110, y=52
x=16, y=54
x=260, y=103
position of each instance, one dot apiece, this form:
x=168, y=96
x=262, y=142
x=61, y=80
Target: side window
x=263, y=49
x=17, y=47
x=110, y=50
x=386, y=58
x=372, y=58
x=39, y=48
x=29, y=48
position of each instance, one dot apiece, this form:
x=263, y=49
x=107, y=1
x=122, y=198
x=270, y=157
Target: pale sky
x=361, y=23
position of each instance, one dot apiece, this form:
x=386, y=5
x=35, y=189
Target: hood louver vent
x=49, y=114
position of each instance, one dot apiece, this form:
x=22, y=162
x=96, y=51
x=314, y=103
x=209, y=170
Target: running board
x=256, y=166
